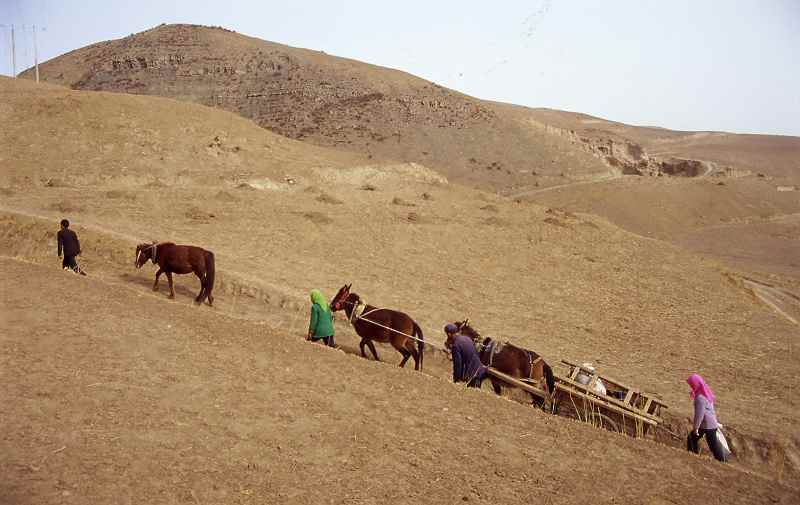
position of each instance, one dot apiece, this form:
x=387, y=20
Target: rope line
x=354, y=317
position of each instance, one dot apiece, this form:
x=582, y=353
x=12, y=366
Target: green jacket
x=321, y=322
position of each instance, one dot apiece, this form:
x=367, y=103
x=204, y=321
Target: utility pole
x=35, y=54
x=13, y=55
x=13, y=51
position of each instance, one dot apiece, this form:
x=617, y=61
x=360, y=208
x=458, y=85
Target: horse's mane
x=156, y=243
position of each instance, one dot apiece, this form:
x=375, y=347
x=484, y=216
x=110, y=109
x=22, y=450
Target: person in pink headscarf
x=705, y=418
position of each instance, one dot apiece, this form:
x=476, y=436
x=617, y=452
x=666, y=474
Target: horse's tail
x=420, y=342
x=209, y=274
x=548, y=377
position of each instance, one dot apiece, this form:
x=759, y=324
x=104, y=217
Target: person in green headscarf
x=321, y=325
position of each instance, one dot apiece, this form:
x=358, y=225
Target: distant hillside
x=384, y=113
x=326, y=100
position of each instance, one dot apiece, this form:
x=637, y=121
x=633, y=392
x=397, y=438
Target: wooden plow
x=621, y=409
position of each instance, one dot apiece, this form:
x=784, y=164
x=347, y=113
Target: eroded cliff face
x=626, y=157
x=283, y=92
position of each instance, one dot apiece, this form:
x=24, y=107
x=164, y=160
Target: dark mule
x=509, y=359
x=381, y=325
x=180, y=259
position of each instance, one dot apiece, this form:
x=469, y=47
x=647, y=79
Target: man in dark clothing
x=467, y=365
x=71, y=247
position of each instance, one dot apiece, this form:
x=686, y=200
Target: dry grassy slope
x=113, y=395
x=744, y=221
x=52, y=133
x=327, y=100
x=564, y=285
x=666, y=208
x=739, y=214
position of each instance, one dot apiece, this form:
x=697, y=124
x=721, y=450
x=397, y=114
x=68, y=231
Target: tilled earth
x=116, y=395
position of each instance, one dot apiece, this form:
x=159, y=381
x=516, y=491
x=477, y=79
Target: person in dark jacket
x=321, y=325
x=467, y=365
x=68, y=244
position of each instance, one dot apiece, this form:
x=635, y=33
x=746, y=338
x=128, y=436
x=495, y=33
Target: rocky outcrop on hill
x=627, y=157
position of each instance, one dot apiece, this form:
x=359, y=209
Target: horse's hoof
x=155, y=289
x=171, y=297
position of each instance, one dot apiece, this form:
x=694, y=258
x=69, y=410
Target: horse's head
x=337, y=302
x=144, y=252
x=465, y=329
x=460, y=325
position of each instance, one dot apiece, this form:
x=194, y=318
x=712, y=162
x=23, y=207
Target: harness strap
x=532, y=362
x=358, y=309
x=493, y=349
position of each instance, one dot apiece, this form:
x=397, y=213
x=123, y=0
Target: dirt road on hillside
x=783, y=301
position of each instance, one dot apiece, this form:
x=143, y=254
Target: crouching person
x=467, y=365
x=321, y=325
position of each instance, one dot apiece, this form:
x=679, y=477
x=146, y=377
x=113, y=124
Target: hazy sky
x=731, y=65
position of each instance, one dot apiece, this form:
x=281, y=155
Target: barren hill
x=326, y=100
x=283, y=217
x=388, y=114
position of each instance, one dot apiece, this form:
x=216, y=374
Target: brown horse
x=180, y=259
x=509, y=359
x=381, y=325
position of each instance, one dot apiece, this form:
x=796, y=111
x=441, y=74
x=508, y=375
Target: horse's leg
x=415, y=355
x=535, y=400
x=372, y=349
x=171, y=286
x=497, y=388
x=204, y=294
x=406, y=355
x=199, y=298
x=400, y=343
x=361, y=346
x=411, y=348
x=158, y=274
